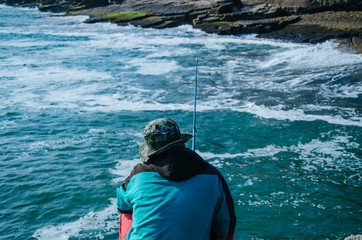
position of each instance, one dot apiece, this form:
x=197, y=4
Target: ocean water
x=282, y=122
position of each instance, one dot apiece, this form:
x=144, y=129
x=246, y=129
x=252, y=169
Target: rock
x=149, y=22
x=93, y=20
x=353, y=44
x=311, y=6
x=247, y=26
x=357, y=44
x=63, y=7
x=226, y=7
x=319, y=27
x=93, y=3
x=166, y=7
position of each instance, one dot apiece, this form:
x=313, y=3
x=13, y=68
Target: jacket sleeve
x=124, y=193
x=224, y=219
x=123, y=202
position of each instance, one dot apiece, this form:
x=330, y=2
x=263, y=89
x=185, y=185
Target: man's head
x=160, y=135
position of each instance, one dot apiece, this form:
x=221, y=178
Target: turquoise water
x=282, y=122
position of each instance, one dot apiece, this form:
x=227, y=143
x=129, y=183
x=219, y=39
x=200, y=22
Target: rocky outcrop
x=296, y=20
x=150, y=13
x=318, y=27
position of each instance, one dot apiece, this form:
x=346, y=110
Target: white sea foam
x=343, y=91
x=300, y=57
x=123, y=169
x=330, y=154
x=173, y=37
x=209, y=155
x=112, y=104
x=98, y=222
x=25, y=43
x=267, y=151
x=47, y=75
x=278, y=113
x=86, y=97
x=154, y=67
x=171, y=53
x=97, y=131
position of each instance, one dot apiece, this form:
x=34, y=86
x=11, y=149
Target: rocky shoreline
x=303, y=21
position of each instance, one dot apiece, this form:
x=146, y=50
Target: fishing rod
x=195, y=92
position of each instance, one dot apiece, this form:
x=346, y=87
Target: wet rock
x=151, y=22
x=93, y=3
x=247, y=26
x=61, y=7
x=93, y=20
x=357, y=44
x=353, y=44
x=318, y=27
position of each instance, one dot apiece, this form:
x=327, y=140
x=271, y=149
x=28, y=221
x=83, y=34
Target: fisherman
x=175, y=194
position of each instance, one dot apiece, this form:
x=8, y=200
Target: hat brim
x=146, y=152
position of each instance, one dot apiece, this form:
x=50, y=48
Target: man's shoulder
x=139, y=168
x=211, y=170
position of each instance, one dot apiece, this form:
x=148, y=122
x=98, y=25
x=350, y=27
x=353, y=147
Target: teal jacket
x=177, y=195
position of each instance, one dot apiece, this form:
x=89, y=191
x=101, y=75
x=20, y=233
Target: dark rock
x=55, y=7
x=149, y=22
x=353, y=44
x=93, y=3
x=166, y=7
x=212, y=27
x=247, y=26
x=319, y=27
x=304, y=34
x=93, y=20
x=30, y=5
x=311, y=6
x=227, y=7
x=168, y=24
x=49, y=2
x=357, y=44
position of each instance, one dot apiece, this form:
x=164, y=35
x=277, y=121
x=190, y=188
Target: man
x=175, y=194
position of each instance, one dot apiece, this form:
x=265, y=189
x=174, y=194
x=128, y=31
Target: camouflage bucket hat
x=161, y=135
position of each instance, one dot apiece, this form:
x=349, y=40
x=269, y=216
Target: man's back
x=173, y=210
x=177, y=196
